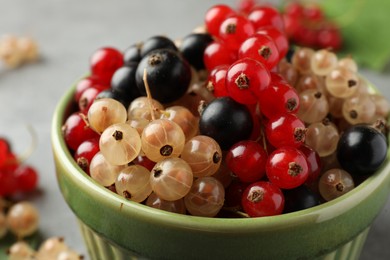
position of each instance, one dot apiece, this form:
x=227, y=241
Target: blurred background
x=67, y=33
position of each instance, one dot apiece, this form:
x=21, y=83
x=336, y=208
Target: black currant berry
x=155, y=43
x=168, y=75
x=110, y=93
x=132, y=54
x=227, y=121
x=192, y=48
x=299, y=198
x=361, y=150
x=123, y=81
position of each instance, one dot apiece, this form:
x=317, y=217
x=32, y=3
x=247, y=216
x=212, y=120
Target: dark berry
x=110, y=93
x=168, y=75
x=123, y=81
x=132, y=54
x=192, y=48
x=361, y=150
x=227, y=121
x=299, y=198
x=155, y=43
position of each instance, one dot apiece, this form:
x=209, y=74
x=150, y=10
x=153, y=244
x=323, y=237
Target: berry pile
x=15, y=176
x=222, y=122
x=51, y=248
x=16, y=51
x=307, y=25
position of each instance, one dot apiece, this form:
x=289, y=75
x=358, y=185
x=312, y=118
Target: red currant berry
x=278, y=99
x=145, y=162
x=279, y=38
x=217, y=54
x=313, y=161
x=84, y=84
x=266, y=16
x=26, y=178
x=216, y=81
x=245, y=79
x=88, y=97
x=262, y=199
x=85, y=152
x=252, y=155
x=75, y=131
x=234, y=30
x=8, y=185
x=287, y=168
x=233, y=194
x=294, y=9
x=262, y=48
x=215, y=16
x=105, y=61
x=4, y=151
x=313, y=13
x=329, y=37
x=286, y=130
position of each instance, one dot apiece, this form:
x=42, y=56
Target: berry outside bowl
x=114, y=228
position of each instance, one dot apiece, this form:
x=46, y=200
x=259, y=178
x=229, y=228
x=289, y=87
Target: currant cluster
x=15, y=176
x=221, y=122
x=15, y=51
x=21, y=219
x=307, y=25
x=51, y=248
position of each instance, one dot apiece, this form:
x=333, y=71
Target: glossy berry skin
x=217, y=54
x=84, y=84
x=247, y=160
x=88, y=97
x=145, y=162
x=279, y=38
x=262, y=199
x=313, y=161
x=123, y=81
x=155, y=43
x=118, y=96
x=278, y=99
x=286, y=130
x=234, y=30
x=132, y=54
x=287, y=168
x=226, y=121
x=85, y=152
x=105, y=61
x=299, y=199
x=216, y=81
x=245, y=79
x=75, y=131
x=215, y=16
x=168, y=75
x=361, y=150
x=261, y=48
x=192, y=48
x=263, y=16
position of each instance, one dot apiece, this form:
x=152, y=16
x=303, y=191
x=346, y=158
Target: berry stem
x=27, y=153
x=148, y=94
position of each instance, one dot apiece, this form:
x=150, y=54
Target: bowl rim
x=316, y=214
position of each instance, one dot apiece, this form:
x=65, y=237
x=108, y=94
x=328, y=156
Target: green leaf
x=364, y=26
x=5, y=243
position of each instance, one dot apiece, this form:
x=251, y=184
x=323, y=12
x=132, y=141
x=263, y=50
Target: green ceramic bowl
x=114, y=228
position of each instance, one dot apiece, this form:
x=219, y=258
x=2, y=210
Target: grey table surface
x=67, y=33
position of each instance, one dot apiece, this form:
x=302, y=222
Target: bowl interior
x=94, y=204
